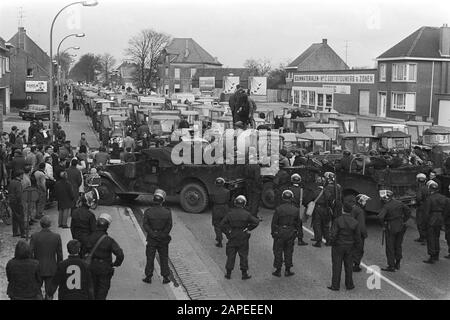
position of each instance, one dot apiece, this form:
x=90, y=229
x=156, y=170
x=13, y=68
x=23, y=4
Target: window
x=304, y=98
x=320, y=102
x=30, y=72
x=193, y=71
x=312, y=99
x=1, y=67
x=177, y=73
x=404, y=72
x=3, y=61
x=329, y=100
x=296, y=97
x=7, y=65
x=402, y=101
x=382, y=72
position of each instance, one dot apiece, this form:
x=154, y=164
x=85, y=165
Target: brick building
x=5, y=79
x=414, y=78
x=179, y=63
x=29, y=71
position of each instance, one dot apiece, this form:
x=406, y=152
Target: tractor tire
x=106, y=192
x=268, y=195
x=128, y=197
x=194, y=198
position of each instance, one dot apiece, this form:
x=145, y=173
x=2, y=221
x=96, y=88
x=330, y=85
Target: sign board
x=336, y=78
x=35, y=86
x=258, y=86
x=207, y=83
x=183, y=97
x=152, y=100
x=339, y=89
x=229, y=84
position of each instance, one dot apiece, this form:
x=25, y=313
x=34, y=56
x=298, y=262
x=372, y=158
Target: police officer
x=394, y=215
x=158, y=223
x=345, y=235
x=297, y=190
x=334, y=192
x=83, y=223
x=221, y=200
x=432, y=219
x=321, y=216
x=285, y=227
x=359, y=214
x=254, y=186
x=237, y=225
x=281, y=183
x=102, y=266
x=421, y=197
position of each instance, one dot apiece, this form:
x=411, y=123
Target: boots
x=245, y=275
x=228, y=274
x=356, y=268
x=397, y=264
x=277, y=273
x=288, y=272
x=301, y=242
x=166, y=280
x=318, y=244
x=219, y=244
x=147, y=279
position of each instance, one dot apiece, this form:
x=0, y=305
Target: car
x=34, y=112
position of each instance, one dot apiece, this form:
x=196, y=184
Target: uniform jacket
x=221, y=200
x=24, y=280
x=359, y=214
x=236, y=223
x=286, y=221
x=46, y=247
x=422, y=194
x=434, y=209
x=394, y=214
x=64, y=194
x=296, y=191
x=345, y=231
x=83, y=224
x=158, y=223
x=106, y=249
x=334, y=194
x=73, y=279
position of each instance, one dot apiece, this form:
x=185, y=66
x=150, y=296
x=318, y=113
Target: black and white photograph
x=224, y=155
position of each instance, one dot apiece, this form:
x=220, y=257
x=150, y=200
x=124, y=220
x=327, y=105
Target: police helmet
x=104, y=220
x=432, y=185
x=386, y=194
x=329, y=176
x=220, y=181
x=421, y=177
x=240, y=201
x=362, y=199
x=159, y=195
x=320, y=180
x=287, y=195
x=296, y=178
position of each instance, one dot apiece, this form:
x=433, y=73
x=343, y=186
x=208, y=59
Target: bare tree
x=260, y=67
x=107, y=61
x=145, y=51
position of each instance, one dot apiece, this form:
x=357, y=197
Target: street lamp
x=88, y=3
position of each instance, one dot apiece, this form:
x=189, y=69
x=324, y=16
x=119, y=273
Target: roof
x=322, y=125
x=436, y=130
x=186, y=50
x=343, y=118
x=313, y=135
x=384, y=125
x=422, y=43
x=291, y=137
x=418, y=123
x=356, y=135
x=394, y=134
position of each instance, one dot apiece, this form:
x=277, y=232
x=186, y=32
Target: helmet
x=287, y=195
x=432, y=185
x=329, y=176
x=386, y=194
x=106, y=217
x=159, y=195
x=296, y=178
x=90, y=198
x=421, y=177
x=220, y=181
x=320, y=180
x=240, y=201
x=362, y=199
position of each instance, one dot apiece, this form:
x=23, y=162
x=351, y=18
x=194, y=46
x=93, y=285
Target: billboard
x=229, y=84
x=35, y=86
x=258, y=86
x=207, y=83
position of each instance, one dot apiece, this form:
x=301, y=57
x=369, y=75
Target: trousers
x=18, y=217
x=321, y=223
x=253, y=203
x=47, y=281
x=419, y=221
x=394, y=246
x=240, y=248
x=41, y=201
x=358, y=252
x=163, y=252
x=433, y=246
x=101, y=279
x=342, y=255
x=283, y=249
x=63, y=216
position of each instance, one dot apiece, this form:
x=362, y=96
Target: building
x=179, y=63
x=5, y=79
x=413, y=77
x=320, y=80
x=29, y=71
x=125, y=72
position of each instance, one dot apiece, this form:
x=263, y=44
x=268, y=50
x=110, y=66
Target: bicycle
x=5, y=210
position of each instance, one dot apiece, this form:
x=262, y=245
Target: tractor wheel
x=268, y=195
x=106, y=193
x=128, y=197
x=194, y=198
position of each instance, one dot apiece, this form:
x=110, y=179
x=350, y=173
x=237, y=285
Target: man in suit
x=46, y=247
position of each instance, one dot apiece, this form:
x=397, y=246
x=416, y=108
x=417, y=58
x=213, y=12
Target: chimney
x=324, y=41
x=22, y=34
x=444, y=41
x=186, y=53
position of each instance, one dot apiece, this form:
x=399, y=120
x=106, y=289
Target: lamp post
x=88, y=3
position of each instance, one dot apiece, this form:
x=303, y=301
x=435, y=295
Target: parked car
x=36, y=111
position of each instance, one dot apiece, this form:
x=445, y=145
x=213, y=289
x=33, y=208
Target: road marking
x=178, y=292
x=393, y=284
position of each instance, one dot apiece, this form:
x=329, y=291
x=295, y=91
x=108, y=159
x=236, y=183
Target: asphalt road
x=415, y=280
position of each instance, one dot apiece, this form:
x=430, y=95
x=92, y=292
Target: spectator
x=13, y=135
x=15, y=192
x=65, y=197
x=46, y=247
x=39, y=176
x=67, y=112
x=101, y=158
x=22, y=272
x=31, y=159
x=129, y=142
x=75, y=179
x=83, y=223
x=129, y=156
x=18, y=162
x=39, y=154
x=83, y=141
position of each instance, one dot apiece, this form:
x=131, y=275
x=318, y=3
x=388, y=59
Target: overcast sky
x=231, y=30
